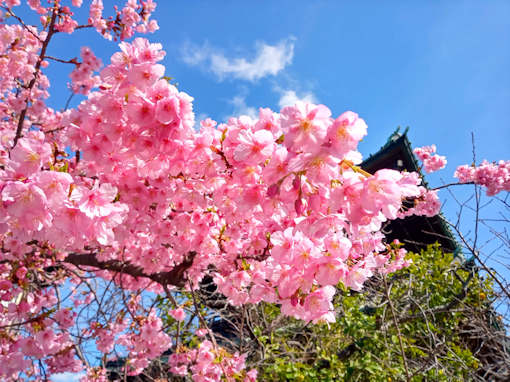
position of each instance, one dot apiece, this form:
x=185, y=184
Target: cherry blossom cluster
x=276, y=207
x=19, y=55
x=426, y=204
x=82, y=77
x=207, y=364
x=133, y=18
x=146, y=344
x=51, y=206
x=494, y=176
x=235, y=189
x=46, y=335
x=431, y=161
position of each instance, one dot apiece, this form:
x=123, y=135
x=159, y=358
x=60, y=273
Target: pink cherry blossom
x=27, y=206
x=431, y=161
x=254, y=147
x=494, y=176
x=305, y=125
x=178, y=314
x=29, y=156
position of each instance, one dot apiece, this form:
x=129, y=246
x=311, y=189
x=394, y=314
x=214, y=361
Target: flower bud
x=299, y=205
x=296, y=183
x=273, y=190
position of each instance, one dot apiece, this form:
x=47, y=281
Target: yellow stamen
x=348, y=164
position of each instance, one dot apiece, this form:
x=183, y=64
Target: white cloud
x=289, y=98
x=66, y=377
x=195, y=55
x=241, y=108
x=268, y=61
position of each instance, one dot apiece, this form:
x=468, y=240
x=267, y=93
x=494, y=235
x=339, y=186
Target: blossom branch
x=71, y=61
x=174, y=277
x=450, y=184
x=399, y=335
x=51, y=32
x=492, y=273
x=12, y=14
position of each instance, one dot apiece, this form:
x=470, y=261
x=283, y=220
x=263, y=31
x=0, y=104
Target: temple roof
x=416, y=232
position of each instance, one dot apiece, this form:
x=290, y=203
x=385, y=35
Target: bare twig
x=11, y=13
x=399, y=334
x=174, y=277
x=51, y=32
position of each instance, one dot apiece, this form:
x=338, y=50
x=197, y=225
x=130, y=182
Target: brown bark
x=174, y=277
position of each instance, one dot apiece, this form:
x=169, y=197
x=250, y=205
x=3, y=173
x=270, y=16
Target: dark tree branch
x=450, y=185
x=20, y=20
x=73, y=61
x=174, y=277
x=51, y=31
x=84, y=26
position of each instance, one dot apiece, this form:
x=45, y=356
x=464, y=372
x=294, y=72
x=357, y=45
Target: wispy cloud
x=269, y=60
x=290, y=97
x=241, y=108
x=67, y=377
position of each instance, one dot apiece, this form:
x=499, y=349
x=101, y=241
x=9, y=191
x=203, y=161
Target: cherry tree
x=125, y=201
